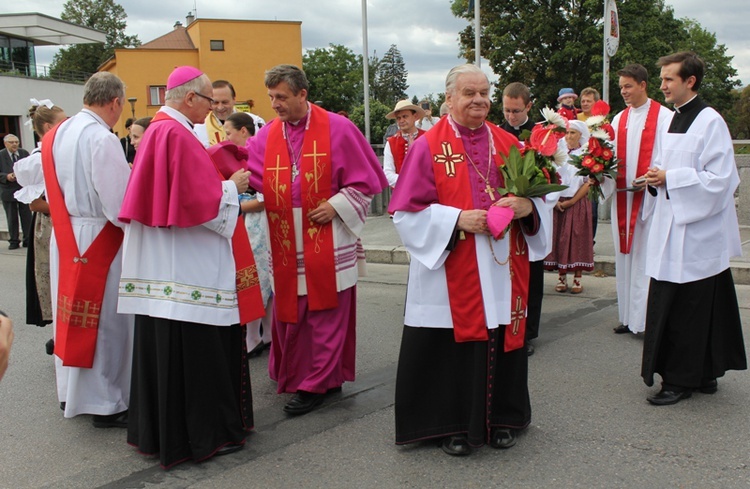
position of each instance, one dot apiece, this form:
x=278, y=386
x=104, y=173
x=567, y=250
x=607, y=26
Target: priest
x=318, y=175
x=85, y=174
x=635, y=145
x=693, y=327
x=186, y=279
x=463, y=369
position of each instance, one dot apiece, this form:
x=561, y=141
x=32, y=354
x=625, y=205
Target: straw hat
x=406, y=105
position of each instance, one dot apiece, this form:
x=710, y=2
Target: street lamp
x=132, y=101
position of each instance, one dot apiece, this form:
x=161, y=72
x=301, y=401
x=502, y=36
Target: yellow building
x=239, y=51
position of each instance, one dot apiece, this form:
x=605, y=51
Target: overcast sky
x=425, y=31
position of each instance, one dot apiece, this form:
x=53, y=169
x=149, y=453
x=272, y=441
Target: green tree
x=378, y=122
x=335, y=76
x=103, y=15
x=741, y=129
x=550, y=44
x=390, y=79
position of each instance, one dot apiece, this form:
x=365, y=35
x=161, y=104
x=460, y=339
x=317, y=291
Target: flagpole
x=605, y=57
x=366, y=70
x=477, y=31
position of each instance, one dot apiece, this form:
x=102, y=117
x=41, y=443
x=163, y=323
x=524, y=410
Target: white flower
x=560, y=156
x=600, y=134
x=553, y=117
x=595, y=120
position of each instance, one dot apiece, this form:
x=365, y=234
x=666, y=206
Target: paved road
x=591, y=426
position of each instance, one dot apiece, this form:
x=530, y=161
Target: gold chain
x=492, y=249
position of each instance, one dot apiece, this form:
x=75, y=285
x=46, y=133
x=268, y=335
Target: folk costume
x=184, y=278
x=30, y=176
x=85, y=175
x=322, y=157
x=462, y=366
x=395, y=151
x=635, y=144
x=693, y=327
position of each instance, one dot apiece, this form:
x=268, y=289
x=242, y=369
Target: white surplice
x=93, y=173
x=695, y=231
x=425, y=235
x=632, y=281
x=159, y=283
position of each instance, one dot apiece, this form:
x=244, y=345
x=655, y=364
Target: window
x=217, y=45
x=156, y=95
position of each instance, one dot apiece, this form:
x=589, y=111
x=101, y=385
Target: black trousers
x=14, y=210
x=534, y=303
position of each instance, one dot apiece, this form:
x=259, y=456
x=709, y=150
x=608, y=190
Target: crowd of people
x=225, y=236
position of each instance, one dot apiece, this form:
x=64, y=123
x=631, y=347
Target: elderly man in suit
x=8, y=186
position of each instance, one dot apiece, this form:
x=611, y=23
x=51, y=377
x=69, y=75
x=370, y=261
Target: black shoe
x=708, y=387
x=303, y=402
x=456, y=445
x=258, y=350
x=119, y=420
x=229, y=448
x=666, y=398
x=49, y=347
x=25, y=244
x=502, y=438
x=62, y=406
x=622, y=329
x=334, y=390
x=529, y=349
x=13, y=246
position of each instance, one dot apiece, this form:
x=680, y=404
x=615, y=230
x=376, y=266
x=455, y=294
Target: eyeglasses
x=210, y=100
x=513, y=111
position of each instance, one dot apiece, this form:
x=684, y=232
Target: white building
x=21, y=79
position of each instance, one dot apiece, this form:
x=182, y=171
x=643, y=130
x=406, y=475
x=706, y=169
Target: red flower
x=595, y=147
x=600, y=108
x=597, y=168
x=610, y=130
x=543, y=140
x=588, y=161
x=546, y=174
x=607, y=154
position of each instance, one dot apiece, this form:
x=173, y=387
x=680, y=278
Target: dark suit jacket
x=7, y=189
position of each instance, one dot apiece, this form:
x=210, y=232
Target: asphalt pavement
x=591, y=425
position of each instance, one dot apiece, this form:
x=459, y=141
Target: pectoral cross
x=449, y=159
x=276, y=170
x=314, y=156
x=490, y=191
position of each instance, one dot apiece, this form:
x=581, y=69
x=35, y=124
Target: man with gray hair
x=318, y=175
x=185, y=280
x=462, y=373
x=85, y=174
x=9, y=186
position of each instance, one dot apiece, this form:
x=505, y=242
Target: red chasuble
x=626, y=225
x=317, y=240
x=399, y=147
x=81, y=278
x=461, y=267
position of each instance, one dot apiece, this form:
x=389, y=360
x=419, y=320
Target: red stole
x=461, y=267
x=399, y=147
x=81, y=278
x=317, y=240
x=627, y=226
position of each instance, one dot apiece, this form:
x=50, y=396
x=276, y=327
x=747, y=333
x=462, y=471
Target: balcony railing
x=26, y=70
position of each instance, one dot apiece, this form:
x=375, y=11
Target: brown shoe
x=562, y=283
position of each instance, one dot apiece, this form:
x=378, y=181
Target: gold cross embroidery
x=84, y=314
x=247, y=277
x=449, y=159
x=517, y=315
x=314, y=155
x=276, y=170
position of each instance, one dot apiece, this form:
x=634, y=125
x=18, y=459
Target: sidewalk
x=383, y=245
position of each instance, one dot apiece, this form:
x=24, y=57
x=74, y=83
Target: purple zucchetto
x=181, y=75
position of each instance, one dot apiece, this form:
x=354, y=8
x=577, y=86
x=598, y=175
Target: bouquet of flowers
x=597, y=160
x=532, y=171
